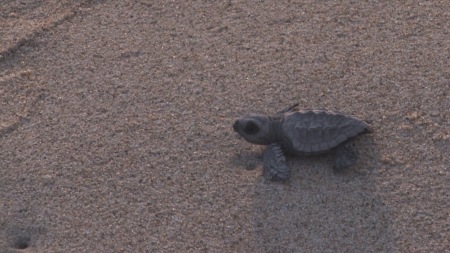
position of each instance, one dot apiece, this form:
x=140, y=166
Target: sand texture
x=116, y=125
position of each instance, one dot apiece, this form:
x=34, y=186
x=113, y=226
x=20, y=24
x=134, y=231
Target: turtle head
x=255, y=129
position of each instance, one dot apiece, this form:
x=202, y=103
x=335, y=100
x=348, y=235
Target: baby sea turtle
x=301, y=132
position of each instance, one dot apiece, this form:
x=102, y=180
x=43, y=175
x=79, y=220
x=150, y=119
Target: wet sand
x=116, y=125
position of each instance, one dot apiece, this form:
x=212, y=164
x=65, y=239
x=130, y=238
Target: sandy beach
x=116, y=125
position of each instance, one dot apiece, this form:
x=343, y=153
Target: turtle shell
x=317, y=131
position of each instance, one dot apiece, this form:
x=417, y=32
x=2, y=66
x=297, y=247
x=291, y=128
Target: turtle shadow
x=320, y=210
x=247, y=160
x=251, y=159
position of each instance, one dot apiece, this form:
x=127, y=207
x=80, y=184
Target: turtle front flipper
x=288, y=109
x=275, y=167
x=345, y=157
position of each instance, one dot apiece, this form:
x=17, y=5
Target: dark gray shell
x=317, y=131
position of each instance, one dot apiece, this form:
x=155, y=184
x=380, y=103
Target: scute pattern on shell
x=317, y=131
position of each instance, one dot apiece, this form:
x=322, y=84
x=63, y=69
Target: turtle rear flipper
x=345, y=157
x=275, y=167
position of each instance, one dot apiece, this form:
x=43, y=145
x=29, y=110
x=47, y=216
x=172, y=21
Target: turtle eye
x=251, y=128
